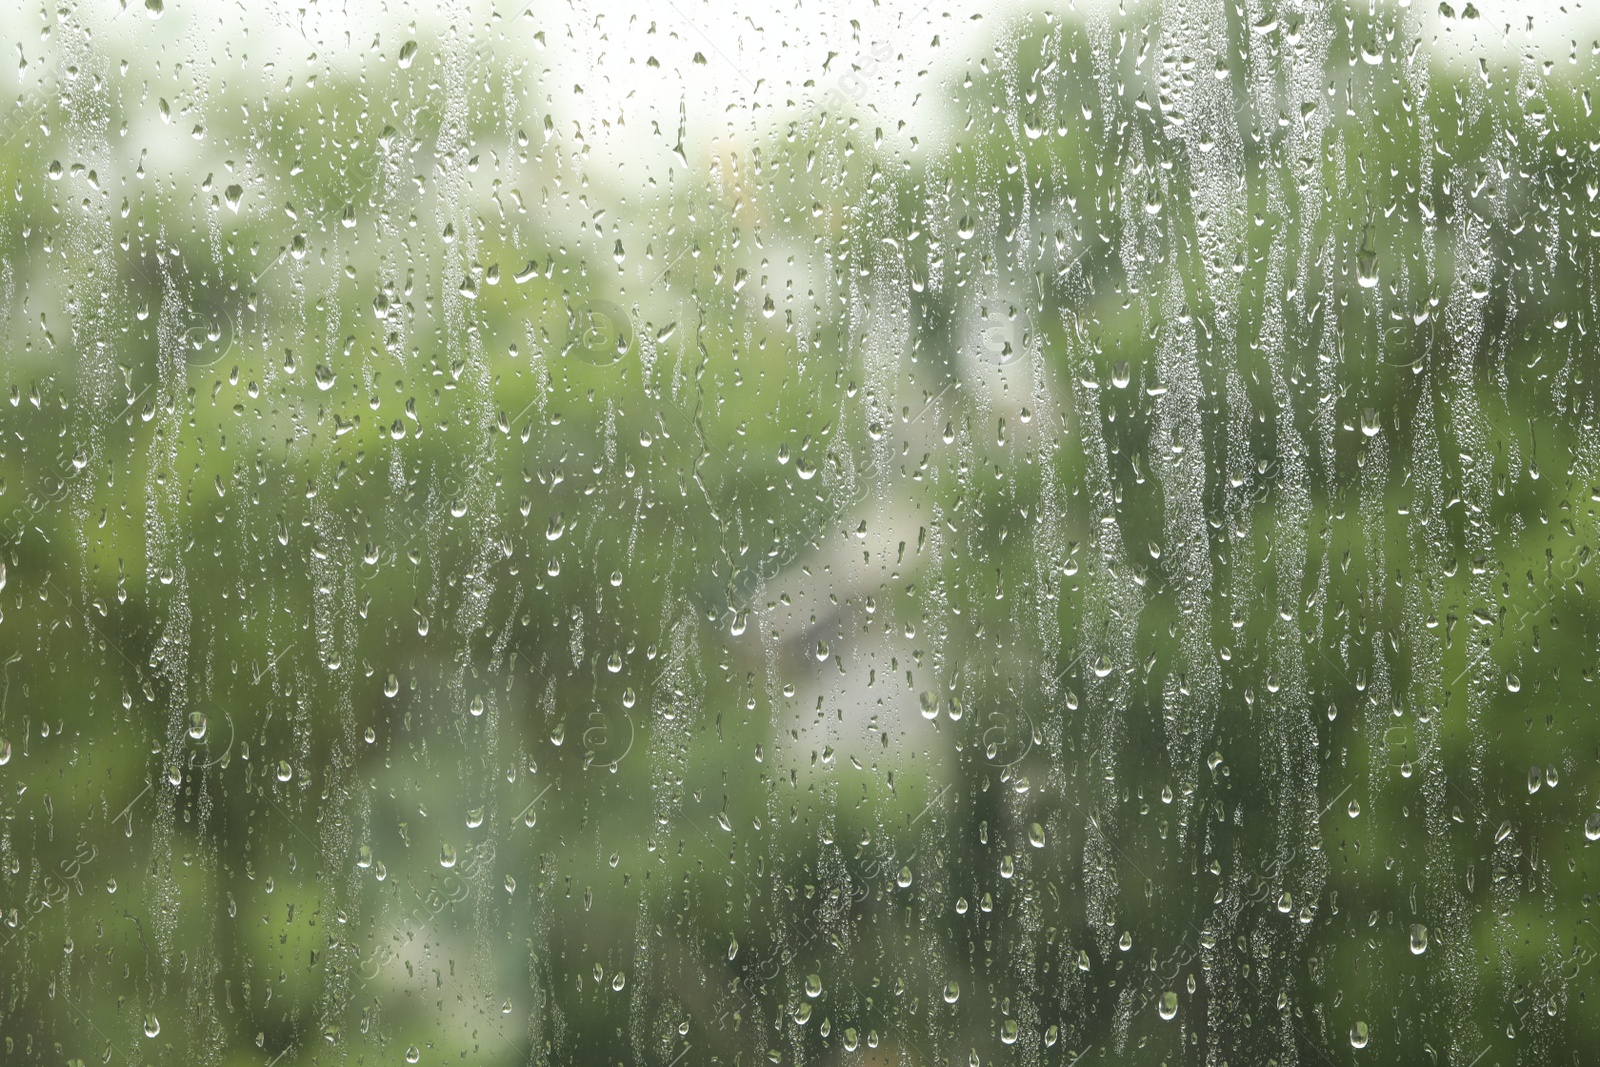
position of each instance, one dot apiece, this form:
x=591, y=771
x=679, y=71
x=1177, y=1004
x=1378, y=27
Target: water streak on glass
x=799, y=534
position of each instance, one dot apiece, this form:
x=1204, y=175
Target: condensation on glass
x=805, y=534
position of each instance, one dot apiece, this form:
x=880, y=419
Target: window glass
x=799, y=533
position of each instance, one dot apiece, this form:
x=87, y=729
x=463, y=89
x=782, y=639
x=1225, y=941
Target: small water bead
x=391, y=687
x=476, y=707
x=475, y=819
x=152, y=1025
x=1419, y=939
x=813, y=986
x=618, y=980
x=1354, y=808
x=447, y=856
x=285, y=771
x=371, y=735
x=1167, y=1007
x=952, y=991
x=413, y=1054
x=1359, y=1035
x=1125, y=942
x=1036, y=836
x=1591, y=828
x=903, y=879
x=1535, y=779
x=197, y=725
x=1008, y=1032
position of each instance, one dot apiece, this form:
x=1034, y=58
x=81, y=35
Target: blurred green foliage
x=1092, y=566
